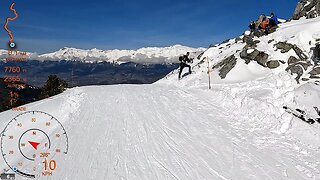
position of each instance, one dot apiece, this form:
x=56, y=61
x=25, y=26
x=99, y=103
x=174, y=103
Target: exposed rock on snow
x=292, y=60
x=315, y=73
x=250, y=43
x=307, y=8
x=296, y=69
x=272, y=64
x=258, y=56
x=300, y=53
x=316, y=53
x=289, y=49
x=284, y=47
x=226, y=65
x=270, y=30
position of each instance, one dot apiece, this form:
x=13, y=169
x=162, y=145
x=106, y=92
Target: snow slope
x=303, y=33
x=143, y=55
x=165, y=132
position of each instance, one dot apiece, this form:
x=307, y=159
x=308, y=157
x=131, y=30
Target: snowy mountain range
x=152, y=55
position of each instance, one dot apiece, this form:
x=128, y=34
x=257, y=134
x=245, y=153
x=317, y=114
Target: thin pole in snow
x=209, y=73
x=72, y=74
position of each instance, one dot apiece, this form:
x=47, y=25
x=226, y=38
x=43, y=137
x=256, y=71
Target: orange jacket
x=264, y=25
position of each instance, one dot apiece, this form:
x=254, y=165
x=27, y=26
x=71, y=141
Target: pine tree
x=53, y=86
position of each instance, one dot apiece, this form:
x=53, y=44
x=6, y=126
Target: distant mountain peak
x=142, y=55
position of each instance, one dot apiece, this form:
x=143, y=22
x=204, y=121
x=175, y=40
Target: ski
x=301, y=115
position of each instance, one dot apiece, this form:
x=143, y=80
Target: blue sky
x=45, y=26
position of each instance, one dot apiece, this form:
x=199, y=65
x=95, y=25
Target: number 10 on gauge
x=49, y=167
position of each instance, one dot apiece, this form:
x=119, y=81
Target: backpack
x=181, y=58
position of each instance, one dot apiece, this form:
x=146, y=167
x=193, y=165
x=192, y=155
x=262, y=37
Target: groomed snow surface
x=162, y=131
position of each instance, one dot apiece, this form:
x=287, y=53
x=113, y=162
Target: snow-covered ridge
x=307, y=8
x=288, y=50
x=142, y=55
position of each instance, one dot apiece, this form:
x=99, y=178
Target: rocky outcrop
x=299, y=63
x=316, y=54
x=298, y=68
x=315, y=77
x=292, y=60
x=226, y=65
x=200, y=55
x=249, y=53
x=248, y=39
x=238, y=39
x=273, y=64
x=286, y=47
x=307, y=8
x=315, y=72
x=258, y=56
x=296, y=65
x=295, y=69
x=300, y=53
x=273, y=29
x=250, y=43
x=212, y=45
x=305, y=65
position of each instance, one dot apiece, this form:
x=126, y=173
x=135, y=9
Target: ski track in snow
x=159, y=132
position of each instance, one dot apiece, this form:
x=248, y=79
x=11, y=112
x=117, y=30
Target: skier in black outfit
x=183, y=63
x=252, y=27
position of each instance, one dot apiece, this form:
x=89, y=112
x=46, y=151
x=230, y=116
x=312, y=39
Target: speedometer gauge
x=30, y=143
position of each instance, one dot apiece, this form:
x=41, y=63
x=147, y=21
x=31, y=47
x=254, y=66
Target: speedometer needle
x=34, y=144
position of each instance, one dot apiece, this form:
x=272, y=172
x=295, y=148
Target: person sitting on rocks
x=261, y=19
x=273, y=20
x=264, y=26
